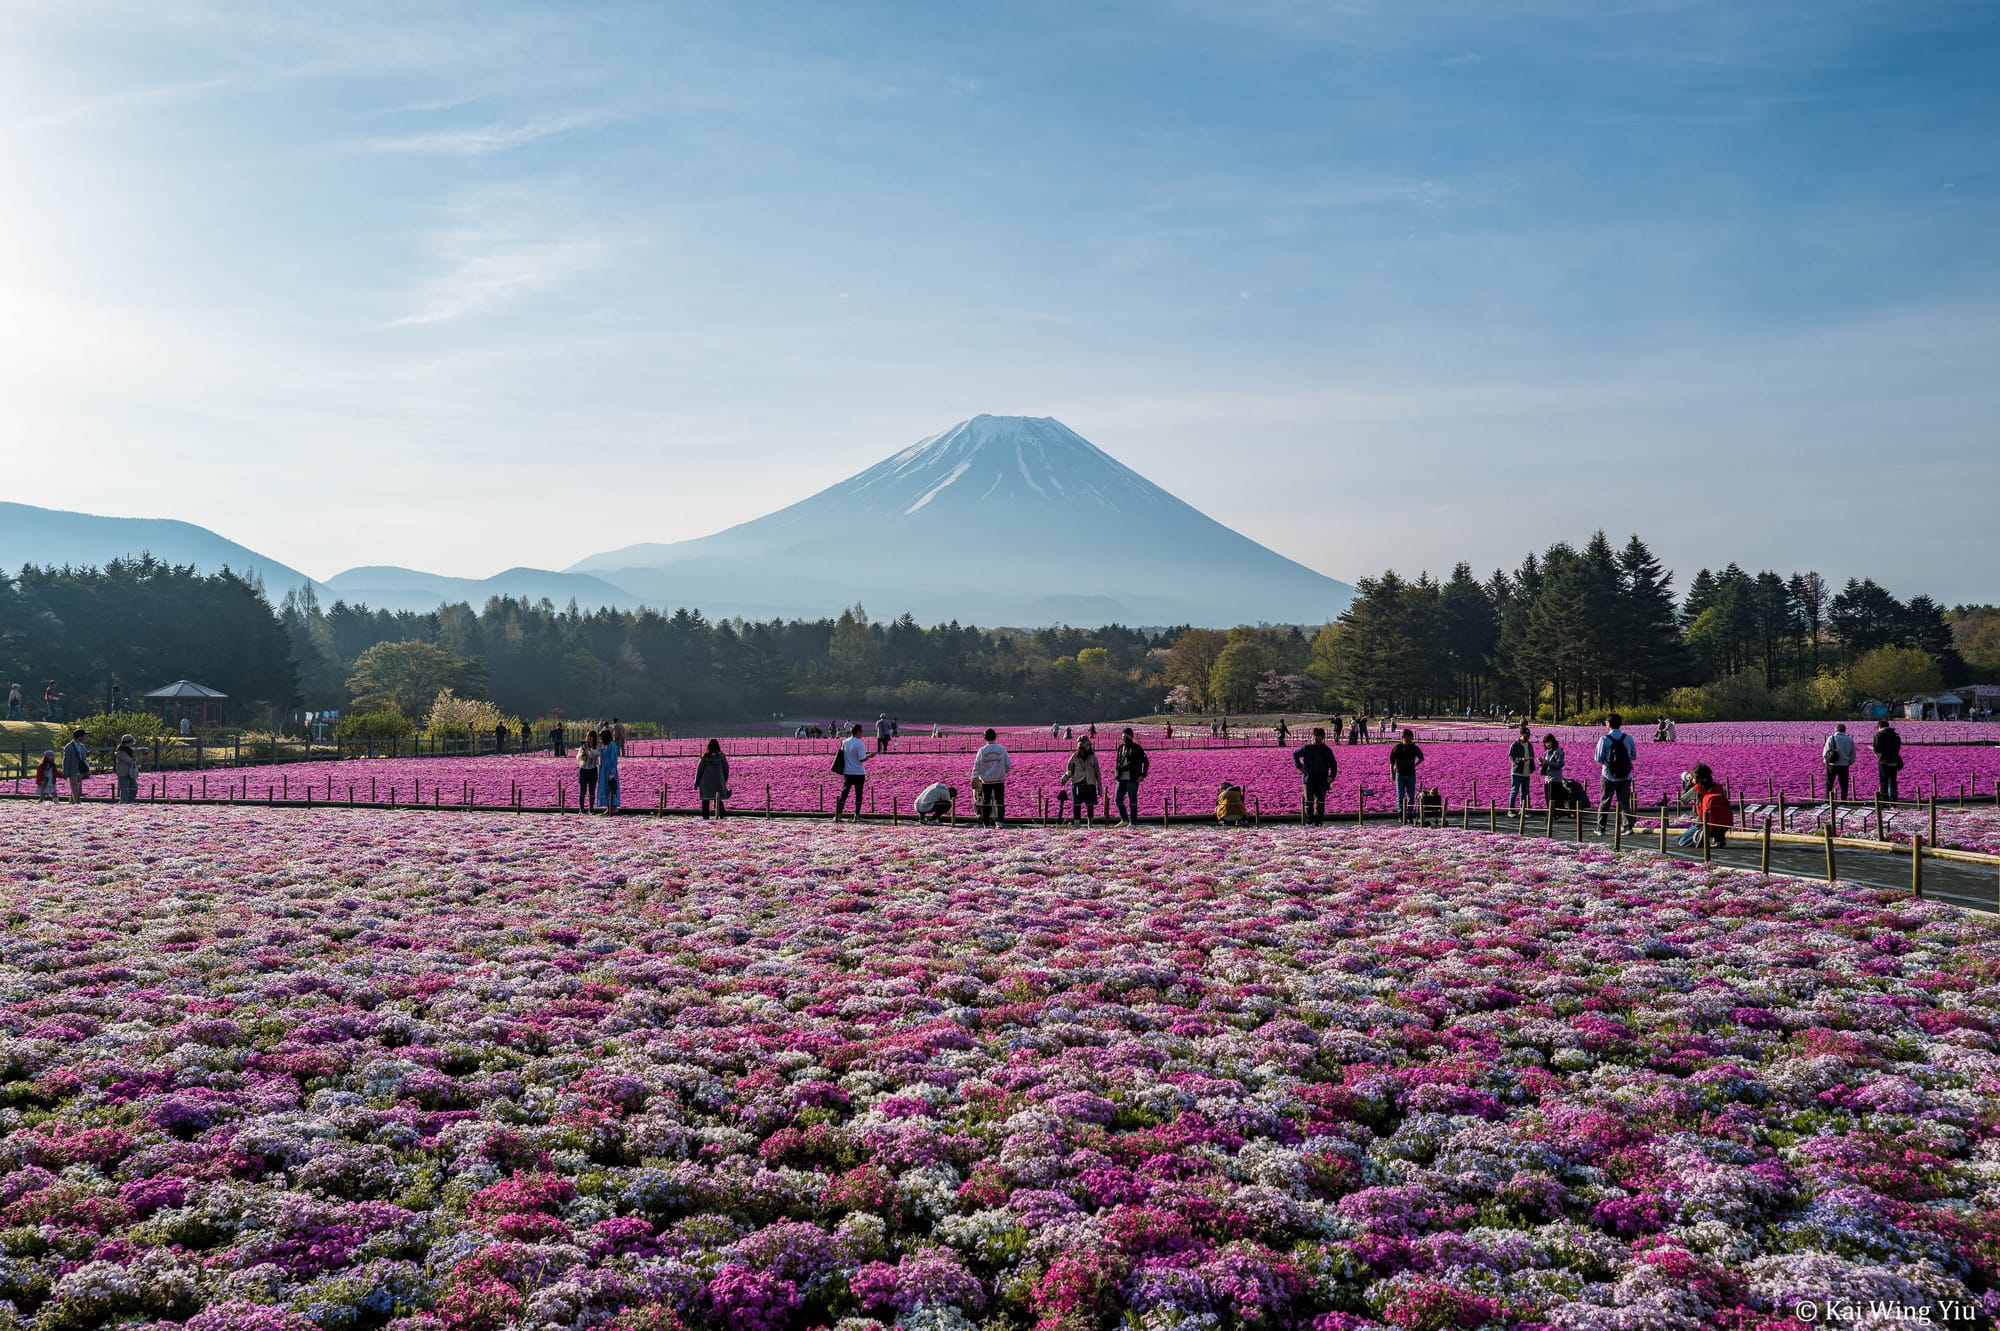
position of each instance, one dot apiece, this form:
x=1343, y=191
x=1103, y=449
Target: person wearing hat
x=125, y=766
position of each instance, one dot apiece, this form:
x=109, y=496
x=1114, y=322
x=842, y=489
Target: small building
x=1981, y=700
x=197, y=703
x=1934, y=707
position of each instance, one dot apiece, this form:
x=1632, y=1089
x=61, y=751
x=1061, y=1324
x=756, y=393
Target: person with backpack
x=989, y=779
x=1616, y=756
x=1713, y=815
x=711, y=779
x=851, y=761
x=1838, y=755
x=1084, y=777
x=1317, y=766
x=1404, y=759
x=1888, y=749
x=75, y=766
x=1130, y=768
x=1521, y=771
x=1555, y=791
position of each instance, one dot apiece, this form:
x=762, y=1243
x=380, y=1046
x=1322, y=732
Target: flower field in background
x=295, y=1069
x=1465, y=771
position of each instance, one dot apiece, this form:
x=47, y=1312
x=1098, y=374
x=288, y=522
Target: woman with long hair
x=711, y=779
x=586, y=771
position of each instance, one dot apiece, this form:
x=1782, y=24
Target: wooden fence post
x=1829, y=853
x=1764, y=857
x=1917, y=865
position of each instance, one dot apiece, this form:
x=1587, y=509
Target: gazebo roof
x=186, y=688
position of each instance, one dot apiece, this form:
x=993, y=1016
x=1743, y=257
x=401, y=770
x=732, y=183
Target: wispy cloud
x=481, y=140
x=482, y=269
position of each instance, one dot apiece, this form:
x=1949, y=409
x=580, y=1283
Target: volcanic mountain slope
x=998, y=520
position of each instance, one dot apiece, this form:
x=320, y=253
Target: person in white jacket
x=1839, y=756
x=989, y=777
x=853, y=771
x=934, y=803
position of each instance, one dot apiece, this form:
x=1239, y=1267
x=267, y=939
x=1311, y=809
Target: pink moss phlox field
x=1463, y=770
x=350, y=1069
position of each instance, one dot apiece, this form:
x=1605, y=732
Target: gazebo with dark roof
x=184, y=697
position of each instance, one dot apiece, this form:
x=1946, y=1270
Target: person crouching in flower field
x=935, y=801
x=1713, y=815
x=1229, y=810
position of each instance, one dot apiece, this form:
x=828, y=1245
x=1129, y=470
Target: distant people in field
x=499, y=737
x=556, y=739
x=1229, y=806
x=45, y=776
x=608, y=754
x=1084, y=778
x=1520, y=772
x=711, y=779
x=1317, y=767
x=1888, y=748
x=1712, y=812
x=14, y=703
x=1130, y=766
x=990, y=767
x=1404, y=760
x=937, y=730
x=895, y=728
x=935, y=801
x=617, y=734
x=1616, y=755
x=117, y=697
x=1838, y=754
x=1660, y=731
x=1673, y=731
x=883, y=732
x=75, y=765
x=125, y=769
x=1283, y=731
x=852, y=764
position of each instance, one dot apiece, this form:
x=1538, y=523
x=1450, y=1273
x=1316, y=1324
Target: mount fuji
x=999, y=520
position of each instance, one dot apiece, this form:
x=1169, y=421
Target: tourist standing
x=1553, y=789
x=608, y=755
x=45, y=776
x=1839, y=756
x=1284, y=732
x=711, y=779
x=882, y=732
x=1404, y=759
x=617, y=735
x=587, y=754
x=934, y=802
x=990, y=767
x=14, y=702
x=937, y=730
x=556, y=739
x=125, y=767
x=1084, y=778
x=1520, y=771
x=1317, y=766
x=1616, y=755
x=1888, y=748
x=853, y=762
x=1130, y=764
x=499, y=737
x=75, y=766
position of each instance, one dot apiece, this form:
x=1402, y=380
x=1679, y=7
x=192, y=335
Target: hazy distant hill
x=49, y=536
x=387, y=587
x=999, y=520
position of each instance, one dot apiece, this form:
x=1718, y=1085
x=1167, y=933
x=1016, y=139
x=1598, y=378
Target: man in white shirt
x=934, y=804
x=853, y=771
x=989, y=777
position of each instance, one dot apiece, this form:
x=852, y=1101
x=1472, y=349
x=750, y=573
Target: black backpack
x=1618, y=762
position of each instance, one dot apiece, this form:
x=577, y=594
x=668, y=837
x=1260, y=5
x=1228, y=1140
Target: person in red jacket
x=1713, y=815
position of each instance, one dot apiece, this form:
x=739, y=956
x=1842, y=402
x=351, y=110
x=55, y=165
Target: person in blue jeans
x=1404, y=759
x=607, y=774
x=1521, y=770
x=1616, y=755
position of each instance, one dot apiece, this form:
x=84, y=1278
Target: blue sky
x=1377, y=283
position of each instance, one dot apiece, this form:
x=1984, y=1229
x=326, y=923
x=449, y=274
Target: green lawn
x=37, y=735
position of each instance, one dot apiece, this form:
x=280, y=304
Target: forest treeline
x=1571, y=631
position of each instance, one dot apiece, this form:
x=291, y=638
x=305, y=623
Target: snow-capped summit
x=1000, y=519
